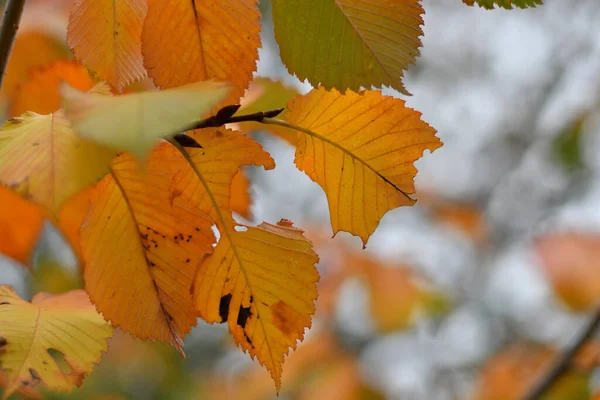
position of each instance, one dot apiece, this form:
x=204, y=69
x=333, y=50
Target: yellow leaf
x=21, y=223
x=56, y=162
x=66, y=323
x=194, y=40
x=142, y=251
x=134, y=122
x=570, y=262
x=263, y=283
x=349, y=43
x=360, y=149
x=105, y=35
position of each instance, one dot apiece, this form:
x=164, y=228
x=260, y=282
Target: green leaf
x=349, y=43
x=134, y=122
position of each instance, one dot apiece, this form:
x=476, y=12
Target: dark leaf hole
x=60, y=360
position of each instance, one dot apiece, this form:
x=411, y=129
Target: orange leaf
x=40, y=92
x=360, y=149
x=142, y=252
x=240, y=200
x=570, y=262
x=209, y=186
x=21, y=223
x=71, y=216
x=509, y=374
x=105, y=35
x=31, y=49
x=190, y=41
x=262, y=282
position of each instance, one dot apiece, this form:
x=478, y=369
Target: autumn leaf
x=66, y=323
x=396, y=295
x=70, y=219
x=262, y=282
x=240, y=200
x=191, y=41
x=509, y=374
x=134, y=122
x=40, y=92
x=349, y=43
x=490, y=4
x=141, y=251
x=21, y=223
x=31, y=49
x=208, y=183
x=360, y=149
x=570, y=262
x=105, y=35
x=57, y=163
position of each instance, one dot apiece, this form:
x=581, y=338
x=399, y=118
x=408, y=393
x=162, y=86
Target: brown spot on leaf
x=248, y=339
x=4, y=303
x=283, y=317
x=224, y=307
x=35, y=376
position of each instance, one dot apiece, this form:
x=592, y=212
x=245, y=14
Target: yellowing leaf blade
x=105, y=35
x=134, y=122
x=190, y=41
x=349, y=43
x=56, y=162
x=141, y=251
x=263, y=283
x=67, y=323
x=360, y=149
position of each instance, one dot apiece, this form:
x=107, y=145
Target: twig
x=225, y=116
x=8, y=31
x=563, y=362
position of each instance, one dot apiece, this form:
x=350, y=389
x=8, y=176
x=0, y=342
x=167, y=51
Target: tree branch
x=563, y=362
x=8, y=31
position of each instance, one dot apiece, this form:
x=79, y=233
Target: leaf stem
x=563, y=362
x=8, y=31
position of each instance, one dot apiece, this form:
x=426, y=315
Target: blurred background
x=470, y=294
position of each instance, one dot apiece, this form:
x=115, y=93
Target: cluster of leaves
x=138, y=200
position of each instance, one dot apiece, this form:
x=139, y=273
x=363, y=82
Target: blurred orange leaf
x=21, y=223
x=68, y=324
x=31, y=49
x=141, y=251
x=360, y=148
x=40, y=92
x=509, y=374
x=105, y=35
x=571, y=262
x=211, y=39
x=240, y=201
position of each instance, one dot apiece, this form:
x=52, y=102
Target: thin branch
x=563, y=362
x=8, y=31
x=225, y=116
